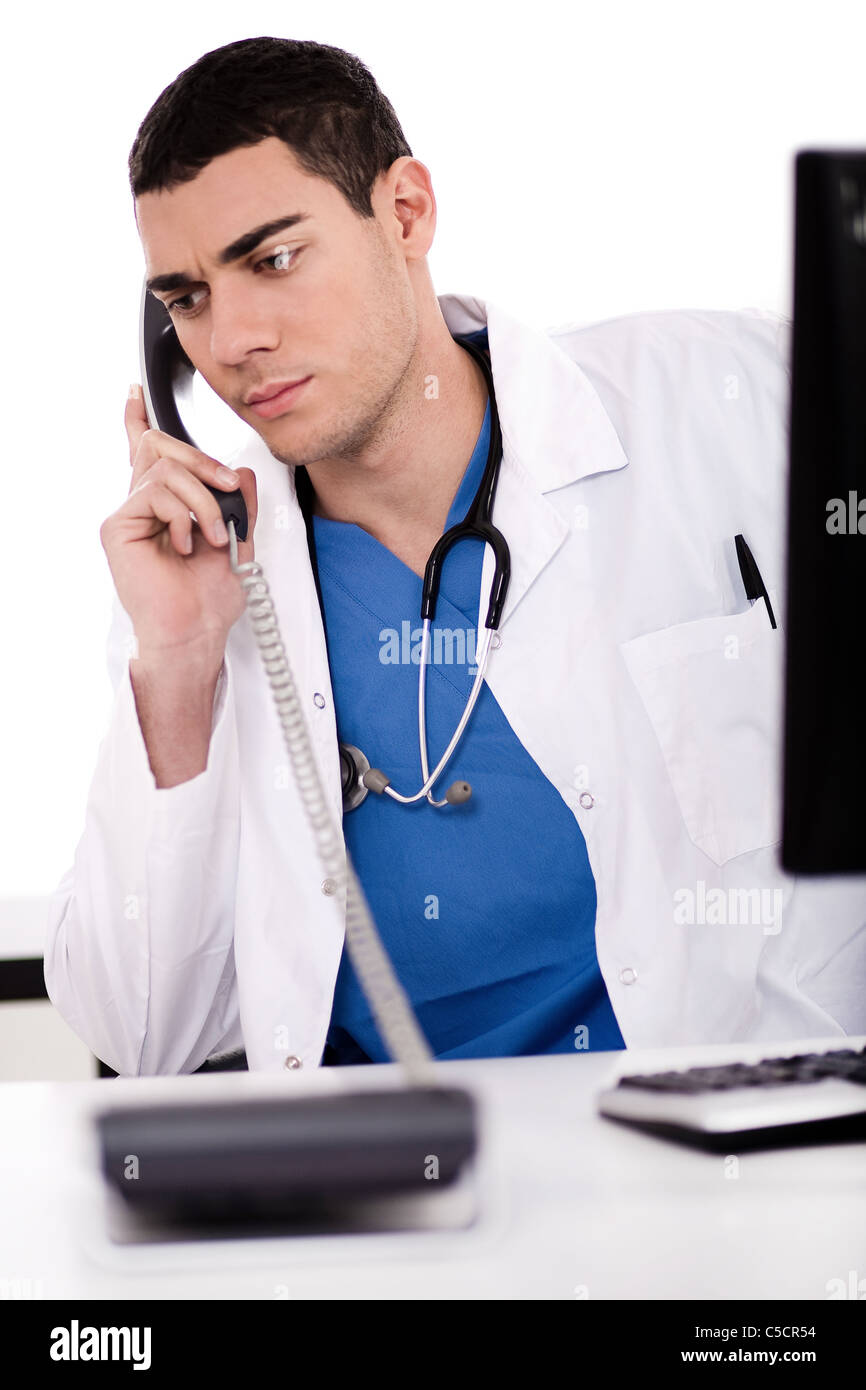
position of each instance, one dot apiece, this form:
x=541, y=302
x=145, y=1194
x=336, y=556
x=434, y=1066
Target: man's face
x=328, y=298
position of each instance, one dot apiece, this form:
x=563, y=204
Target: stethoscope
x=358, y=777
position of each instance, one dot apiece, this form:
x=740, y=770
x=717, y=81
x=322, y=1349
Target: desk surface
x=569, y=1205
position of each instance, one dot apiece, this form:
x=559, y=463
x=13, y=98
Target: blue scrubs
x=486, y=909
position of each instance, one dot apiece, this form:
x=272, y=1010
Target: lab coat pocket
x=712, y=690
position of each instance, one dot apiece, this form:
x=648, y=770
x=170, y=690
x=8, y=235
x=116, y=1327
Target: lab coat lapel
x=555, y=431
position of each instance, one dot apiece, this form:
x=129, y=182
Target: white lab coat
x=632, y=668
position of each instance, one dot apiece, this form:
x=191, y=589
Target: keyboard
x=808, y=1098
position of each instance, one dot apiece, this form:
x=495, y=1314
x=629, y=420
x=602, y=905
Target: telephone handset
x=166, y=378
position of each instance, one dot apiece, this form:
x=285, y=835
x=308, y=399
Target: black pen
x=752, y=582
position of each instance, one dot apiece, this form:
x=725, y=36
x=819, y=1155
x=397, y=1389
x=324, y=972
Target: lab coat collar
x=553, y=422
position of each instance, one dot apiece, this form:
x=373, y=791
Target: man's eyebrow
x=177, y=279
x=250, y=240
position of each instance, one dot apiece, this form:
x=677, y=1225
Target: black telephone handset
x=166, y=377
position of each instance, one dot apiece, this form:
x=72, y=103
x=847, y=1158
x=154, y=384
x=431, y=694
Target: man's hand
x=171, y=573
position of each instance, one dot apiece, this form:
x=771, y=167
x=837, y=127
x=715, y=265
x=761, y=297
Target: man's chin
x=290, y=458
x=268, y=432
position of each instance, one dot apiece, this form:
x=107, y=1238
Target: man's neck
x=401, y=491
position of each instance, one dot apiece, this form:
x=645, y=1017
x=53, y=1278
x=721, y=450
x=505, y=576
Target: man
x=613, y=879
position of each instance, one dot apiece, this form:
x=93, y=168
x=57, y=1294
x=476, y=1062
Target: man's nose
x=240, y=324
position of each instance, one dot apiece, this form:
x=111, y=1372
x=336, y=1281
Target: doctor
x=613, y=879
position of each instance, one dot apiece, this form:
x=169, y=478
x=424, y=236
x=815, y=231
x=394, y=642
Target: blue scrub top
x=487, y=910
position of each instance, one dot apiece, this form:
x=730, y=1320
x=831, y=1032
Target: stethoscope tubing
x=430, y=778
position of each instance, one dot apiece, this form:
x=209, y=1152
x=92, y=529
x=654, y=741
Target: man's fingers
x=154, y=445
x=135, y=419
x=167, y=507
x=151, y=448
x=154, y=503
x=185, y=485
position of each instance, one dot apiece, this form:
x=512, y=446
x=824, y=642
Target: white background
x=588, y=160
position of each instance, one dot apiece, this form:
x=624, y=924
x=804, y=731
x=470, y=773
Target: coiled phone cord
x=391, y=1008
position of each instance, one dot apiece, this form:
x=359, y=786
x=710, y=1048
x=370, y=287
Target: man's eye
x=282, y=258
x=184, y=303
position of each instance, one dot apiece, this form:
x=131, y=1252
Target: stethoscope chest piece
x=353, y=765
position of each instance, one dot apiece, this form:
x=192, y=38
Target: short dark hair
x=320, y=101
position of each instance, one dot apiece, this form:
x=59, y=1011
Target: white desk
x=571, y=1206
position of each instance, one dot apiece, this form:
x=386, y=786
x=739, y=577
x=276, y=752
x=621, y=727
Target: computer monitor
x=824, y=780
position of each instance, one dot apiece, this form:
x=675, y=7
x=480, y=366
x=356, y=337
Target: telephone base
x=358, y=1161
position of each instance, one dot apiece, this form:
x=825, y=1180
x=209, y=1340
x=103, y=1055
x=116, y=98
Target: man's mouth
x=273, y=399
